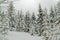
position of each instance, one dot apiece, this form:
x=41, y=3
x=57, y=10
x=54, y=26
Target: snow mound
x=22, y=36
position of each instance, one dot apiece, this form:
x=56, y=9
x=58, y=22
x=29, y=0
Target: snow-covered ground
x=22, y=36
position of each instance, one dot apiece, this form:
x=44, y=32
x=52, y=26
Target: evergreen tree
x=57, y=19
x=27, y=22
x=40, y=21
x=46, y=24
x=11, y=16
x=3, y=23
x=52, y=27
x=20, y=22
x=57, y=9
x=33, y=17
x=51, y=12
x=33, y=24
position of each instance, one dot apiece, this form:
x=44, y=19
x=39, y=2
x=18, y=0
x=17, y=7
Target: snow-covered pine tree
x=46, y=24
x=27, y=22
x=3, y=23
x=57, y=21
x=58, y=12
x=33, y=24
x=52, y=27
x=11, y=16
x=40, y=21
x=20, y=21
x=33, y=17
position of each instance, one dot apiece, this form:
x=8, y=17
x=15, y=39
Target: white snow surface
x=22, y=36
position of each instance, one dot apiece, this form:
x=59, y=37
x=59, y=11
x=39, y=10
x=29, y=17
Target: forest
x=44, y=23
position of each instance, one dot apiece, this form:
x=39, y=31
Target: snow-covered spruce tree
x=27, y=22
x=33, y=17
x=3, y=22
x=52, y=13
x=52, y=27
x=4, y=25
x=20, y=21
x=57, y=21
x=45, y=24
x=1, y=27
x=57, y=9
x=33, y=24
x=40, y=21
x=11, y=15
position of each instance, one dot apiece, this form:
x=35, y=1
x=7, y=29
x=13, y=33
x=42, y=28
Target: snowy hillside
x=22, y=36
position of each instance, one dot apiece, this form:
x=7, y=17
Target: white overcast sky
x=32, y=5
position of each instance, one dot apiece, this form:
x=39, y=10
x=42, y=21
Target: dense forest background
x=42, y=24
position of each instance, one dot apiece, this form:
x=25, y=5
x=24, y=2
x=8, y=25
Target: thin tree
x=27, y=22
x=19, y=22
x=40, y=21
x=10, y=14
x=33, y=24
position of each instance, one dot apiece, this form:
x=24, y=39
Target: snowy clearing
x=22, y=36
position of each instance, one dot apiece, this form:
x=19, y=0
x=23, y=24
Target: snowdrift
x=22, y=36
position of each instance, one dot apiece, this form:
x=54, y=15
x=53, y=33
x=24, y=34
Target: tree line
x=45, y=24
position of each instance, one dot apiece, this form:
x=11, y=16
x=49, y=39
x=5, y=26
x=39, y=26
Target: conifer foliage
x=45, y=23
